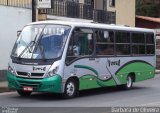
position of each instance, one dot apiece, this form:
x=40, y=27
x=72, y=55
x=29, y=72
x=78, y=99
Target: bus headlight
x=52, y=72
x=11, y=70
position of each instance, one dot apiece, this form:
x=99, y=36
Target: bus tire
x=129, y=83
x=71, y=89
x=23, y=93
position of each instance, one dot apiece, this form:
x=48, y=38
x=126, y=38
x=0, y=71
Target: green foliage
x=145, y=9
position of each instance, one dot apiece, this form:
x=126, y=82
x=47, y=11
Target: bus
x=67, y=57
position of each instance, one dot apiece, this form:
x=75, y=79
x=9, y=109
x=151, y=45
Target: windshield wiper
x=26, y=49
x=31, y=43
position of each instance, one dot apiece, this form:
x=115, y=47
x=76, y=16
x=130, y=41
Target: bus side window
x=104, y=42
x=81, y=44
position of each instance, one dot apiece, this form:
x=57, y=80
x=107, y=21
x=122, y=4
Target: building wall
x=12, y=20
x=110, y=8
x=125, y=12
x=81, y=1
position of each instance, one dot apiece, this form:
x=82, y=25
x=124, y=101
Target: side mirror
x=18, y=33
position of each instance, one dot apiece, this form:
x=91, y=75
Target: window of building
x=112, y=3
x=104, y=42
x=88, y=2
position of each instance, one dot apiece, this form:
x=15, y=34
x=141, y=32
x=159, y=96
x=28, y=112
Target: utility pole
x=33, y=10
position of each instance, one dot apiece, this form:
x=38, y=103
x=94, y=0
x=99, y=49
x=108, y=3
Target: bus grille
x=32, y=74
x=34, y=85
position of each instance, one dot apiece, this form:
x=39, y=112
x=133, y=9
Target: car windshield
x=41, y=42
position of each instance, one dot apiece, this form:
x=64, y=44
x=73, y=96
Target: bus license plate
x=26, y=88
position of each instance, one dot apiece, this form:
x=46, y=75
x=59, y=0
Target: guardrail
x=17, y=3
x=77, y=10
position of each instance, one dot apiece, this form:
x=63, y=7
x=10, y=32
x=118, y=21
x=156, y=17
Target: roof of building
x=152, y=19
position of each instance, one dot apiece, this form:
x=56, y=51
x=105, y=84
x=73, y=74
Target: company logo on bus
x=29, y=74
x=39, y=68
x=114, y=63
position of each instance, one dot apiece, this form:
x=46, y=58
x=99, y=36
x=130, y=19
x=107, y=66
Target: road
x=145, y=93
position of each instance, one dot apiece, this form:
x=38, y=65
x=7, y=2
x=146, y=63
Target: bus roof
x=93, y=25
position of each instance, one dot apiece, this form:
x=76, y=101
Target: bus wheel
x=71, y=89
x=129, y=83
x=23, y=93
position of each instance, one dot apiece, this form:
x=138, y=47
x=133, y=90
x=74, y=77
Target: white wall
x=12, y=19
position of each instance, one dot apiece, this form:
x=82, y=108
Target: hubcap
x=129, y=82
x=70, y=88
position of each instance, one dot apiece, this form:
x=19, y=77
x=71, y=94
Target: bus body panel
x=110, y=71
x=52, y=84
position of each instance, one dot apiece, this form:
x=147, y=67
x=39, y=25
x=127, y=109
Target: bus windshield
x=41, y=42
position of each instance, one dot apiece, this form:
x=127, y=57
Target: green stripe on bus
x=92, y=81
x=142, y=71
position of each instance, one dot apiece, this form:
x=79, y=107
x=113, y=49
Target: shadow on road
x=84, y=93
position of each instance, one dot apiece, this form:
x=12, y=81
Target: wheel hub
x=70, y=89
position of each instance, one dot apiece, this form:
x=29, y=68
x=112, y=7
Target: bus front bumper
x=52, y=84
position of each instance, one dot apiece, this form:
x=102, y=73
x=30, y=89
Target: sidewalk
x=157, y=72
x=4, y=87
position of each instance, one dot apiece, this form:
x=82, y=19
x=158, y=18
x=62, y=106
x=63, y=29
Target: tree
x=145, y=8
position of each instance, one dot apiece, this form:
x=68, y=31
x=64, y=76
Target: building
x=151, y=23
x=125, y=11
x=147, y=22
x=120, y=12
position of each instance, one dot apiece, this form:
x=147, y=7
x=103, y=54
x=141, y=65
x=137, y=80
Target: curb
x=4, y=89
x=157, y=72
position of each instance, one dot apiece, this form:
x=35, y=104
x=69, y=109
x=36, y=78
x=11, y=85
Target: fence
x=17, y=3
x=77, y=10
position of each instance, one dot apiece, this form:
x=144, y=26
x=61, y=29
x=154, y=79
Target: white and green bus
x=66, y=57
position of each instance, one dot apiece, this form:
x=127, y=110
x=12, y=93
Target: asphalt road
x=145, y=93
